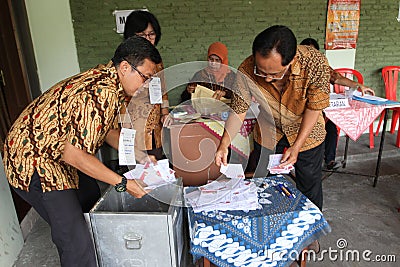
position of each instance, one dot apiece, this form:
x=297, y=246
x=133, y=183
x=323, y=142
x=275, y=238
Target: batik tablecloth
x=271, y=236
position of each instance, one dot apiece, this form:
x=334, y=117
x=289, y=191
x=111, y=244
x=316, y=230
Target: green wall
x=188, y=27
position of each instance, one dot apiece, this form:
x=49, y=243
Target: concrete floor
x=364, y=220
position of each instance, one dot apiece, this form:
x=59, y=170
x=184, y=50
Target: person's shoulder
x=247, y=65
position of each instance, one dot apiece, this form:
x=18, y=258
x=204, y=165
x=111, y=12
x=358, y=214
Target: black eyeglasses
x=150, y=35
x=144, y=77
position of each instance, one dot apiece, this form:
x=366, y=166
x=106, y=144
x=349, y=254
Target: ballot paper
x=275, y=161
x=153, y=175
x=232, y=170
x=224, y=194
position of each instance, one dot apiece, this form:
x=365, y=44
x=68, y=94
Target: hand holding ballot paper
x=151, y=175
x=274, y=165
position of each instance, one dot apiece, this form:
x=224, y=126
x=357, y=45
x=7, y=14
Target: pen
x=280, y=190
x=290, y=191
x=283, y=188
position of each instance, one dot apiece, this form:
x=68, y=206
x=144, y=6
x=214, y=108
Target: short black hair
x=310, y=41
x=279, y=38
x=136, y=49
x=138, y=20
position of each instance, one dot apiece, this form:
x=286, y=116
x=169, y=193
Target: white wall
x=11, y=240
x=53, y=40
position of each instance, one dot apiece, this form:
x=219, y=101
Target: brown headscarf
x=220, y=50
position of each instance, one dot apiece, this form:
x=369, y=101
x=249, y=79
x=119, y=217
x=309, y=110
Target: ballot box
x=139, y=232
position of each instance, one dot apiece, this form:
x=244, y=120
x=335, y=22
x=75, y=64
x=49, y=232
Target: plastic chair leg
x=371, y=136
x=380, y=122
x=398, y=136
x=395, y=118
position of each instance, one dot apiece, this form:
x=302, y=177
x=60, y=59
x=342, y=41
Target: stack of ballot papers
x=152, y=175
x=224, y=194
x=275, y=161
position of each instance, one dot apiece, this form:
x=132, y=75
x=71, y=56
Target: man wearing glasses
x=291, y=85
x=49, y=153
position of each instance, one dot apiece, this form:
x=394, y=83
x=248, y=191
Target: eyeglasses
x=150, y=35
x=144, y=77
x=271, y=76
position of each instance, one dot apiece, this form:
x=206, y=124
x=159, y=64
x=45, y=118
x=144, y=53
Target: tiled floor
x=364, y=220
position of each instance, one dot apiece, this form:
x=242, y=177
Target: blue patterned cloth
x=272, y=236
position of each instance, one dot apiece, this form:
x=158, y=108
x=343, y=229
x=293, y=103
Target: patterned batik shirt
x=80, y=110
x=306, y=87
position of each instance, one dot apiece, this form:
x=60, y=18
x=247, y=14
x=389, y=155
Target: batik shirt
x=80, y=110
x=307, y=87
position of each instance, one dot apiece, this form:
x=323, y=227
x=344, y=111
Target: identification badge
x=126, y=147
x=155, y=91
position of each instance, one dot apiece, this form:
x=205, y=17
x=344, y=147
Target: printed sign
x=120, y=18
x=342, y=24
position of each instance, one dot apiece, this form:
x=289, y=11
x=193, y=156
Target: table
x=271, y=236
x=354, y=120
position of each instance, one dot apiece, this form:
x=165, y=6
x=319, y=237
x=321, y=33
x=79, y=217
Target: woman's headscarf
x=220, y=50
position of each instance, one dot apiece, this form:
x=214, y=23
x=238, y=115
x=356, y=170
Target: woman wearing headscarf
x=216, y=76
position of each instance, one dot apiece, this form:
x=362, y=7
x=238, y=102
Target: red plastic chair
x=339, y=89
x=390, y=75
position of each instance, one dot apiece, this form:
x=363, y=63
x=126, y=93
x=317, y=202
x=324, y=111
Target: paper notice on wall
x=342, y=24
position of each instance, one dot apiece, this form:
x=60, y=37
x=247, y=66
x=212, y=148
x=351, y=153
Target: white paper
x=226, y=194
x=155, y=91
x=126, y=147
x=232, y=170
x=152, y=175
x=275, y=161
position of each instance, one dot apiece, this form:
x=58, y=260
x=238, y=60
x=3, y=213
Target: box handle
x=133, y=241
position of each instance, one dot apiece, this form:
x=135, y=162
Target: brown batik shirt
x=80, y=110
x=307, y=87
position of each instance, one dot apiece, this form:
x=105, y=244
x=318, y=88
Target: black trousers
x=330, y=141
x=63, y=211
x=308, y=168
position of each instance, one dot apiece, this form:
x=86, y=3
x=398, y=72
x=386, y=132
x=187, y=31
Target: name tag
x=126, y=147
x=155, y=91
x=338, y=103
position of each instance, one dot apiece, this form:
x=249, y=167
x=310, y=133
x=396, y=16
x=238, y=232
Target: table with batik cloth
x=271, y=236
x=354, y=120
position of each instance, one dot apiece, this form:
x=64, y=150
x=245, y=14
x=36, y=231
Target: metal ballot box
x=139, y=232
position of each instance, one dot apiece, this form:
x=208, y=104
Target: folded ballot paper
x=224, y=194
x=152, y=175
x=275, y=161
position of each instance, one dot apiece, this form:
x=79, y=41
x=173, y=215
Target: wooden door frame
x=17, y=63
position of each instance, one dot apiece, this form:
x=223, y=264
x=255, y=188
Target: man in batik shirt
x=50, y=149
x=291, y=85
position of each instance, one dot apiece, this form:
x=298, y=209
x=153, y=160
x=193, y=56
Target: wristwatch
x=121, y=187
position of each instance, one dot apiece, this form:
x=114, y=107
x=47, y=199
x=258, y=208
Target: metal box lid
x=159, y=200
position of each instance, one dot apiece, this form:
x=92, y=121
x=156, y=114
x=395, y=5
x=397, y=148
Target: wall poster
x=342, y=24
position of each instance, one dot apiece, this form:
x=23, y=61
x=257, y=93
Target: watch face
x=120, y=188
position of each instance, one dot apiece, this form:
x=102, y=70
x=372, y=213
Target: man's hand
x=221, y=157
x=366, y=90
x=289, y=157
x=149, y=159
x=135, y=188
